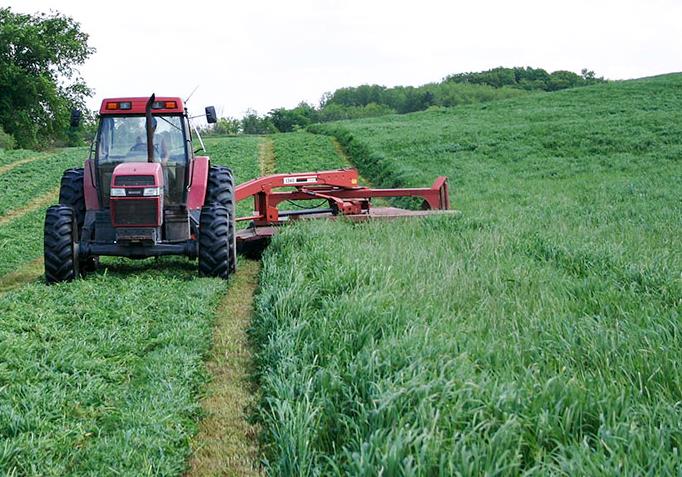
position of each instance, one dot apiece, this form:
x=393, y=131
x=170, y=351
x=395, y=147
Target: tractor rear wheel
x=61, y=244
x=215, y=237
x=71, y=193
x=220, y=189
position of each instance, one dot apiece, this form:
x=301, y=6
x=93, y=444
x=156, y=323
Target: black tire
x=220, y=189
x=215, y=237
x=61, y=244
x=71, y=193
x=233, y=246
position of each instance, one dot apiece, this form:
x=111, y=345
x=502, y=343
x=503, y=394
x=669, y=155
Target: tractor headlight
x=118, y=192
x=151, y=192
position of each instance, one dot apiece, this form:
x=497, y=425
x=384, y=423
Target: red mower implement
x=144, y=193
x=341, y=192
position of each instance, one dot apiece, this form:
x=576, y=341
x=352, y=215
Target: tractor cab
x=122, y=138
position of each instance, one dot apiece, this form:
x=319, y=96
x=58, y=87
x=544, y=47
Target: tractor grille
x=134, y=180
x=135, y=212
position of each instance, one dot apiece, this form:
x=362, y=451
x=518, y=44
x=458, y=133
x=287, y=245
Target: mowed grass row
x=102, y=375
x=21, y=239
x=7, y=157
x=537, y=333
x=238, y=153
x=29, y=181
x=241, y=155
x=305, y=152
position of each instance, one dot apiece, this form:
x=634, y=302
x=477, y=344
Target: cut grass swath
x=25, y=183
x=102, y=373
x=241, y=154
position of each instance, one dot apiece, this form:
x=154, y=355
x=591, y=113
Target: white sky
x=268, y=54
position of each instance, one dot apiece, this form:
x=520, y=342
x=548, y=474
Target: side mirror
x=211, y=116
x=75, y=118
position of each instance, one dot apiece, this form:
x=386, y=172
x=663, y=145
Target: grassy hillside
x=537, y=333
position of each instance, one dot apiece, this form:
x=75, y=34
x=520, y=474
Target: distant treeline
x=529, y=79
x=375, y=100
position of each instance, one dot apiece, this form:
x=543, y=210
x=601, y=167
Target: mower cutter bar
x=339, y=188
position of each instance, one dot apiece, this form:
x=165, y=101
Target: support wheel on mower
x=220, y=189
x=216, y=234
x=61, y=244
x=71, y=193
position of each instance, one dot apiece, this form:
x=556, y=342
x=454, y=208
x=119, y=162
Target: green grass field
x=539, y=332
x=33, y=179
x=21, y=239
x=9, y=157
x=303, y=151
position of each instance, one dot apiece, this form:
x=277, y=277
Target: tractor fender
x=197, y=188
x=89, y=189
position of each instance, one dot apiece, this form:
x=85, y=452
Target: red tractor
x=143, y=194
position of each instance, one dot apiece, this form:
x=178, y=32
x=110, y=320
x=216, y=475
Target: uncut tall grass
x=537, y=333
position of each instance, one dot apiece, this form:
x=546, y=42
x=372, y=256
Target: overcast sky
x=268, y=54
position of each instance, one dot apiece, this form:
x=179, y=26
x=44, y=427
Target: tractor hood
x=137, y=174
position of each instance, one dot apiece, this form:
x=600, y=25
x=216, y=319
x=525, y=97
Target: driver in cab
x=162, y=153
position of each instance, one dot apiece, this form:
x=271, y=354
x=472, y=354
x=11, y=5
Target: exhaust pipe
x=150, y=128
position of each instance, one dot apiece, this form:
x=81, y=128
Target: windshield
x=124, y=139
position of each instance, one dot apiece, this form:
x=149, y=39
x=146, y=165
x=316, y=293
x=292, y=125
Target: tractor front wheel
x=216, y=235
x=61, y=244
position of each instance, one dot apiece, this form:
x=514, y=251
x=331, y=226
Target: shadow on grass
x=171, y=267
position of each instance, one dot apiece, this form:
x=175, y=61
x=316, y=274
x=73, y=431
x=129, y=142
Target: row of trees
x=375, y=100
x=528, y=78
x=39, y=79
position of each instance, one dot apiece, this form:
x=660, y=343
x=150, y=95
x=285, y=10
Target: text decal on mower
x=300, y=180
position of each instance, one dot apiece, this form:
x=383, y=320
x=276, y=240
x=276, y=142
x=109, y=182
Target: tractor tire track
x=20, y=162
x=266, y=154
x=40, y=202
x=227, y=443
x=28, y=272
